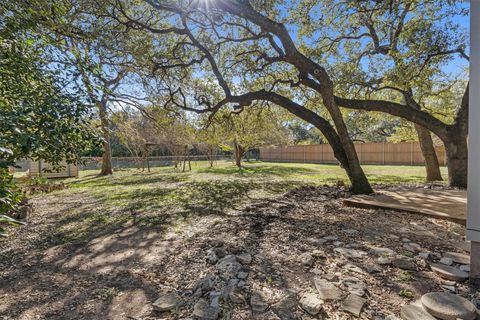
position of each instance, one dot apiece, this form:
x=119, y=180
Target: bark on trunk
x=239, y=152
x=453, y=136
x=358, y=178
x=307, y=68
x=428, y=150
x=456, y=150
x=426, y=143
x=355, y=173
x=107, y=151
x=360, y=184
x=210, y=155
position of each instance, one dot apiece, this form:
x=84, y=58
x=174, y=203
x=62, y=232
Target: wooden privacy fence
x=403, y=153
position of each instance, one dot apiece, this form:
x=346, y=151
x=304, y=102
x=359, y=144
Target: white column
x=473, y=220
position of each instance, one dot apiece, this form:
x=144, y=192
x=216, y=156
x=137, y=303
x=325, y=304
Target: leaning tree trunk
x=360, y=184
x=324, y=86
x=210, y=155
x=349, y=162
x=107, y=151
x=428, y=150
x=456, y=147
x=239, y=152
x=456, y=151
x=426, y=144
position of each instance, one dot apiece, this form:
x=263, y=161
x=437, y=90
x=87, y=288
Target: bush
x=10, y=197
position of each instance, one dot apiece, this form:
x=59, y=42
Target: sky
x=457, y=67
x=459, y=63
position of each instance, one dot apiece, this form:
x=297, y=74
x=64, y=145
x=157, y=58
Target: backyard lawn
x=133, y=194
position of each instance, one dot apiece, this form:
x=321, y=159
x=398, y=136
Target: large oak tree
x=255, y=53
x=396, y=51
x=246, y=54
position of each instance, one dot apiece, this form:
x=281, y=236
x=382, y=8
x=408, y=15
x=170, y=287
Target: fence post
x=383, y=152
x=411, y=153
x=359, y=152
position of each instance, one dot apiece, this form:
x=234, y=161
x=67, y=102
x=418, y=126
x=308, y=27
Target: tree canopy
x=316, y=60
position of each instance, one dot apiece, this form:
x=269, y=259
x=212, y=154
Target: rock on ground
x=211, y=256
x=258, y=303
x=449, y=272
x=327, y=290
x=404, y=263
x=384, y=252
x=448, y=306
x=228, y=267
x=384, y=261
x=446, y=261
x=285, y=306
x=204, y=311
x=311, y=303
x=306, y=259
x=353, y=304
x=355, y=285
x=236, y=296
x=457, y=257
x=350, y=253
x=244, y=258
x=414, y=312
x=166, y=302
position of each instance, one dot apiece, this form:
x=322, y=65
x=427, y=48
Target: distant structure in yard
x=43, y=169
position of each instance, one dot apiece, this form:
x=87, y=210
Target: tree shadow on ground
x=212, y=196
x=393, y=179
x=130, y=180
x=291, y=230
x=259, y=170
x=117, y=269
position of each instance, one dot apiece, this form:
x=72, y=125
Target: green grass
x=174, y=199
x=223, y=186
x=321, y=173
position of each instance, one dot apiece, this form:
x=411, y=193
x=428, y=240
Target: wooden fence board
x=402, y=153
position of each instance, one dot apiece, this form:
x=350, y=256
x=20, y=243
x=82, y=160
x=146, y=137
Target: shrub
x=10, y=197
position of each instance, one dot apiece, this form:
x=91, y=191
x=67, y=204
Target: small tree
x=209, y=138
x=127, y=131
x=140, y=129
x=250, y=128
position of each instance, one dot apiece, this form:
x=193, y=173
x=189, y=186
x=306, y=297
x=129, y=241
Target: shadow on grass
x=260, y=170
x=161, y=206
x=222, y=196
x=128, y=180
x=377, y=179
x=392, y=179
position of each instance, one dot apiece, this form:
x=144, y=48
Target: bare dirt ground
x=119, y=271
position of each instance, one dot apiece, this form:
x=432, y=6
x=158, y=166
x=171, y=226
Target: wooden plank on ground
x=443, y=204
